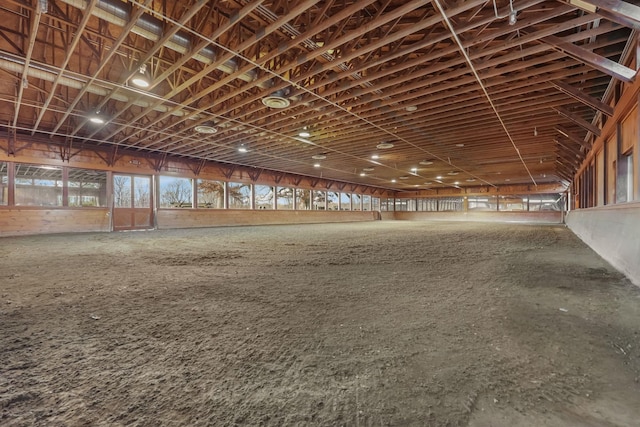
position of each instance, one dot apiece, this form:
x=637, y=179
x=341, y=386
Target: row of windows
x=182, y=192
x=538, y=202
x=38, y=185
x=49, y=186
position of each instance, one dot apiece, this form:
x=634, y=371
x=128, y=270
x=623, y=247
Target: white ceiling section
x=461, y=93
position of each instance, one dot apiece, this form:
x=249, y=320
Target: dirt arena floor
x=364, y=324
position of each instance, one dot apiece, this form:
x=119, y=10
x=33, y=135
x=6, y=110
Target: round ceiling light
x=403, y=177
x=453, y=173
x=368, y=169
x=276, y=101
x=206, y=127
x=319, y=156
x=411, y=108
x=426, y=162
x=384, y=145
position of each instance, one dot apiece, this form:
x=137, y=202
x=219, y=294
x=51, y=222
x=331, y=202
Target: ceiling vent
x=276, y=100
x=206, y=127
x=384, y=145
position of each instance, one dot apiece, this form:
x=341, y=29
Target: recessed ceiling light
x=459, y=145
x=470, y=179
x=439, y=177
x=507, y=180
x=368, y=169
x=304, y=133
x=428, y=183
x=453, y=173
x=426, y=162
x=375, y=156
x=393, y=180
x=319, y=156
x=411, y=108
x=457, y=182
x=414, y=169
x=403, y=177
x=316, y=165
x=242, y=150
x=362, y=174
x=206, y=128
x=384, y=145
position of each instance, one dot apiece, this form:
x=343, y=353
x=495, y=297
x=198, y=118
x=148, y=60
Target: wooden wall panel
x=22, y=221
x=629, y=131
x=553, y=217
x=190, y=218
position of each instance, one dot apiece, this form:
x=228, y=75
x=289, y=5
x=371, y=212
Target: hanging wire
x=475, y=73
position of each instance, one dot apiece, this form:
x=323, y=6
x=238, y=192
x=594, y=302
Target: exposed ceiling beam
x=572, y=136
x=623, y=12
x=583, y=97
x=35, y=22
x=578, y=120
x=70, y=51
x=588, y=57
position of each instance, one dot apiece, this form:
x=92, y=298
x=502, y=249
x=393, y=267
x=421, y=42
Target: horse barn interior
x=319, y=212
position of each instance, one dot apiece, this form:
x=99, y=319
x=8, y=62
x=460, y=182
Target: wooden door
x=132, y=202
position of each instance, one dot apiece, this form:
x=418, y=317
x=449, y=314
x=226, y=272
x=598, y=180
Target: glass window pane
x=450, y=204
x=303, y=199
x=239, y=195
x=4, y=183
x=366, y=203
x=319, y=200
x=38, y=185
x=332, y=200
x=142, y=192
x=512, y=203
x=87, y=188
x=356, y=202
x=122, y=191
x=345, y=201
x=175, y=192
x=545, y=202
x=624, y=180
x=285, y=198
x=264, y=197
x=210, y=194
x=482, y=203
x=375, y=203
